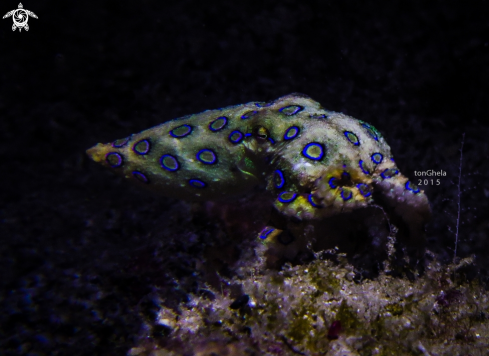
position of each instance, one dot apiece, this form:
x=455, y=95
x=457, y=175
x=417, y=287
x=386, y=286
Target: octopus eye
x=261, y=133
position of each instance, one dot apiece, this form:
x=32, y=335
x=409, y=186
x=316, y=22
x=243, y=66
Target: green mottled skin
x=239, y=167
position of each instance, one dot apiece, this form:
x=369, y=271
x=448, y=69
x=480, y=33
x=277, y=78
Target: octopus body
x=317, y=163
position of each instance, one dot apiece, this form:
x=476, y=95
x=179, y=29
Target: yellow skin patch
x=317, y=162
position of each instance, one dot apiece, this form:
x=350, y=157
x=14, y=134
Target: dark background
x=85, y=257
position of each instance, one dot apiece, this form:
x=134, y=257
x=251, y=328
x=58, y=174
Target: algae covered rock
x=292, y=311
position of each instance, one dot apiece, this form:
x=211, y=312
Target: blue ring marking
x=223, y=125
x=370, y=131
x=140, y=177
x=197, y=183
x=236, y=140
x=295, y=133
x=311, y=201
x=377, y=157
x=361, y=164
x=389, y=173
x=248, y=114
x=412, y=187
x=263, y=104
x=318, y=116
x=350, y=136
x=189, y=130
x=168, y=168
x=203, y=151
x=345, y=175
x=295, y=109
x=364, y=189
x=248, y=134
x=272, y=141
x=343, y=194
x=144, y=151
x=331, y=183
x=119, y=162
x=285, y=200
x=315, y=144
x=264, y=234
x=278, y=174
x=120, y=142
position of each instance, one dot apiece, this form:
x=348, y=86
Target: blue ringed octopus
x=317, y=163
